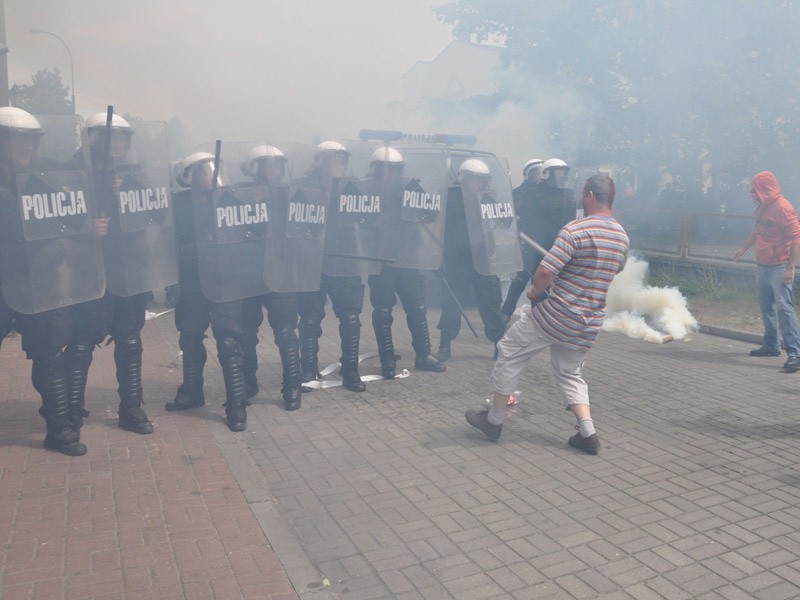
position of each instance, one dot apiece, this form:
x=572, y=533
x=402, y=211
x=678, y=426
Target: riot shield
x=49, y=254
x=353, y=236
x=132, y=182
x=293, y=261
x=414, y=214
x=491, y=223
x=231, y=228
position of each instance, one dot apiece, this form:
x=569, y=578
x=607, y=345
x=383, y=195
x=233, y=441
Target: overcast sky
x=237, y=70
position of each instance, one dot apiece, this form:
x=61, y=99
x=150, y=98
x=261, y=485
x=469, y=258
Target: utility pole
x=3, y=56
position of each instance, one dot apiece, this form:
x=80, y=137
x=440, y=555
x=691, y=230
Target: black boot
x=382, y=324
x=190, y=392
x=350, y=333
x=77, y=360
x=128, y=358
x=232, y=361
x=48, y=376
x=309, y=350
x=421, y=341
x=290, y=362
x=443, y=355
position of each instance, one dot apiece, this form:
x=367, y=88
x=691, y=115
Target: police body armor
x=134, y=191
x=414, y=210
x=491, y=223
x=49, y=254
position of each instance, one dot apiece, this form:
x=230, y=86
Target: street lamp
x=71, y=65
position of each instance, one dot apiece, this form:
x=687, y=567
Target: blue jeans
x=777, y=309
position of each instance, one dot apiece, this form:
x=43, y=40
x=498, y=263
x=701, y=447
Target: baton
x=107, y=155
x=532, y=243
x=460, y=308
x=217, y=150
x=359, y=257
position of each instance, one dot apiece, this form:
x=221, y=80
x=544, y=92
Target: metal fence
x=687, y=235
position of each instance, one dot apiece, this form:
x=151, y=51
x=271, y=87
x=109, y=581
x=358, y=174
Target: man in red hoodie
x=777, y=240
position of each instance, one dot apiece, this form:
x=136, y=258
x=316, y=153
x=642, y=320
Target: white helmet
x=184, y=176
x=554, y=163
x=329, y=148
x=534, y=162
x=473, y=166
x=16, y=119
x=250, y=166
x=100, y=119
x=387, y=155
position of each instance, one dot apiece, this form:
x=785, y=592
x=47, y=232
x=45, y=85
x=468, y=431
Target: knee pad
x=285, y=336
x=229, y=347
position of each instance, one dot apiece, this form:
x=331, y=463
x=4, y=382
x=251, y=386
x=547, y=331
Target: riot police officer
x=523, y=202
x=194, y=312
x=458, y=269
x=386, y=167
x=543, y=210
x=121, y=317
x=331, y=161
x=46, y=333
x=266, y=165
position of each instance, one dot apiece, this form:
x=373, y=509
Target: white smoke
x=646, y=312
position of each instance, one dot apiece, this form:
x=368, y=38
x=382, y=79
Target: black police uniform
x=193, y=314
x=347, y=298
x=121, y=317
x=542, y=210
x=459, y=272
x=44, y=336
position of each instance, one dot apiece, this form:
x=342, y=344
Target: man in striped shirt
x=578, y=269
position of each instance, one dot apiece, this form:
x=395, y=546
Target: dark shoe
x=236, y=418
x=185, y=400
x=134, y=419
x=352, y=381
x=443, y=355
x=479, y=419
x=763, y=351
x=389, y=371
x=66, y=441
x=292, y=398
x=589, y=444
x=429, y=363
x=792, y=364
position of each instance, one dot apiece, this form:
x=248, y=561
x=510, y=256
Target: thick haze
x=234, y=70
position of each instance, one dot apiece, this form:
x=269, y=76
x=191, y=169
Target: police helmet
x=554, y=163
x=20, y=121
x=534, y=162
x=473, y=166
x=263, y=152
x=100, y=119
x=184, y=176
x=387, y=155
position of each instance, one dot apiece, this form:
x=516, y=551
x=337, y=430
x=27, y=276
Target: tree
x=45, y=95
x=668, y=81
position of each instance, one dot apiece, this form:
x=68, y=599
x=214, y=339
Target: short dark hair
x=603, y=188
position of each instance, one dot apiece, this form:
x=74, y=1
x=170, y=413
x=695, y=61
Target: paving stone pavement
x=390, y=494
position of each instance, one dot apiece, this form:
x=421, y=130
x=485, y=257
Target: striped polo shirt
x=585, y=257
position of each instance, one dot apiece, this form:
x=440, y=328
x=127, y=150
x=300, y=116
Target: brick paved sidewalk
x=158, y=516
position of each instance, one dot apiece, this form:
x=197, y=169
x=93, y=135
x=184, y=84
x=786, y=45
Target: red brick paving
x=157, y=516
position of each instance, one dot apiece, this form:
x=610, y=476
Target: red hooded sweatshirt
x=777, y=227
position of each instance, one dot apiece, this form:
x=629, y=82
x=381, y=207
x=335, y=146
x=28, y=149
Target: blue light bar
x=450, y=139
